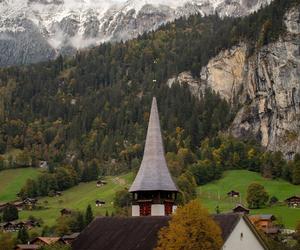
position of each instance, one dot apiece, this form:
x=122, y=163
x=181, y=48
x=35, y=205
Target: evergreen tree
x=80, y=222
x=23, y=236
x=10, y=213
x=296, y=170
x=89, y=215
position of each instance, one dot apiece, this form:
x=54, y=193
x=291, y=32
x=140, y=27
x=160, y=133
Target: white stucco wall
x=247, y=242
x=135, y=210
x=174, y=209
x=157, y=210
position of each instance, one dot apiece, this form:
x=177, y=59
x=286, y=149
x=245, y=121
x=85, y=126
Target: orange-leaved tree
x=190, y=228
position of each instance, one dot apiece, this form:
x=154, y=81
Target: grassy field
x=77, y=198
x=211, y=195
x=11, y=181
x=214, y=194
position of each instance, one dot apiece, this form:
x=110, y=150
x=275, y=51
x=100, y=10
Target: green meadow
x=211, y=195
x=78, y=198
x=215, y=194
x=11, y=181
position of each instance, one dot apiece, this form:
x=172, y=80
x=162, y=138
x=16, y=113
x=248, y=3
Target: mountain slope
x=38, y=30
x=264, y=83
x=96, y=105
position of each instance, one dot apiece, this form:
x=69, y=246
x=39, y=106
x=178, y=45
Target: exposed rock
x=65, y=26
x=273, y=88
x=196, y=86
x=266, y=85
x=225, y=73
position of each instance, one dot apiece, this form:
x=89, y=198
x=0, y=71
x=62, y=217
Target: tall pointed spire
x=153, y=174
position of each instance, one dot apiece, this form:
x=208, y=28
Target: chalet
x=68, y=239
x=293, y=201
x=29, y=203
x=19, y=205
x=9, y=226
x=46, y=241
x=153, y=190
x=27, y=247
x=3, y=205
x=140, y=233
x=31, y=224
x=99, y=203
x=240, y=209
x=233, y=194
x=44, y=164
x=265, y=223
x=65, y=211
x=58, y=193
x=101, y=183
x=13, y=226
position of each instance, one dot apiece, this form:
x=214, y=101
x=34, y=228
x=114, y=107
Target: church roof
x=153, y=174
x=141, y=233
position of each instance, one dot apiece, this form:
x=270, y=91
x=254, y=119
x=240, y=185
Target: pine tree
x=296, y=170
x=89, y=215
x=80, y=222
x=10, y=213
x=23, y=236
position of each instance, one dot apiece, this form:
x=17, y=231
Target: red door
x=145, y=209
x=168, y=208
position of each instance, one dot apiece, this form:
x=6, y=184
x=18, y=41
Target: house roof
x=46, y=240
x=141, y=233
x=70, y=237
x=114, y=233
x=293, y=197
x=262, y=217
x=241, y=207
x=100, y=201
x=153, y=174
x=27, y=246
x=234, y=192
x=227, y=223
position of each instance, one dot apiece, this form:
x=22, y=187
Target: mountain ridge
x=62, y=27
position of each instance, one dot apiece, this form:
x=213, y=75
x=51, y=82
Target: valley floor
x=215, y=194
x=211, y=195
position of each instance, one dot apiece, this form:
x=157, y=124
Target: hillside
x=211, y=195
x=78, y=198
x=95, y=106
x=12, y=180
x=214, y=194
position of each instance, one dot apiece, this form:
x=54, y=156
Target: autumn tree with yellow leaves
x=190, y=228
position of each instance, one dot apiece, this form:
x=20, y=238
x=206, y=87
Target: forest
x=87, y=115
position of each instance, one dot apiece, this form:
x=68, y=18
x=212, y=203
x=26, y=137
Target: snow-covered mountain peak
x=63, y=26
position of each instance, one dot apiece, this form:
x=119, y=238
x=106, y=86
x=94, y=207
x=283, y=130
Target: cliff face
x=266, y=85
x=271, y=94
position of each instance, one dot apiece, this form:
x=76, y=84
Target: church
x=154, y=195
x=154, y=191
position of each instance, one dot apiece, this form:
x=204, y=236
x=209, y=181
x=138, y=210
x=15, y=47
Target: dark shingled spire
x=153, y=174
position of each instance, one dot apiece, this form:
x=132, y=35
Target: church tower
x=154, y=191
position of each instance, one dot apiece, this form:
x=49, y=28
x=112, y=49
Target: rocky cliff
x=265, y=84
